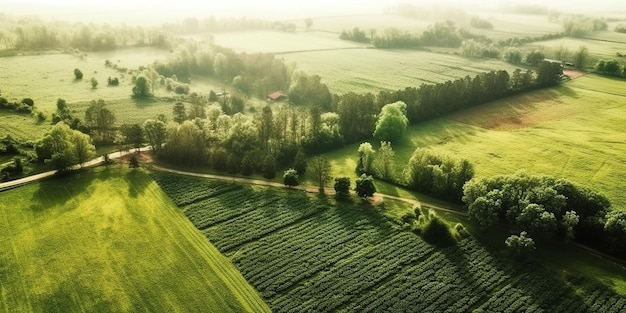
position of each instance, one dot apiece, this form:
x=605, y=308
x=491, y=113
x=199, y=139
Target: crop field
x=109, y=240
x=282, y=42
x=598, y=48
x=306, y=255
x=372, y=70
x=379, y=22
x=517, y=25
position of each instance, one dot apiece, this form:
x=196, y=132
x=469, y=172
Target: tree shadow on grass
x=59, y=190
x=138, y=181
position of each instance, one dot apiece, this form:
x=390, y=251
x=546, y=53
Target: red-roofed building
x=275, y=96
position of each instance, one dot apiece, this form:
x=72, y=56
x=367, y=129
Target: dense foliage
x=610, y=68
x=547, y=207
x=579, y=26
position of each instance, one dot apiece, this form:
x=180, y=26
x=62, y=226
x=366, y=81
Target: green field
x=281, y=42
x=507, y=26
x=598, y=48
x=372, y=70
x=312, y=255
x=109, y=240
x=575, y=131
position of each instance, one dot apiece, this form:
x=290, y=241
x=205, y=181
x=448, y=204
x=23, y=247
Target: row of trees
x=610, y=68
x=546, y=207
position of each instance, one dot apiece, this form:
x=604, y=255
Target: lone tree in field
x=342, y=187
x=94, y=83
x=365, y=186
x=308, y=22
x=392, y=122
x=78, y=74
x=142, y=88
x=320, y=169
x=290, y=178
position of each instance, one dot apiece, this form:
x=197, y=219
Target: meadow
x=574, y=131
x=599, y=48
x=109, y=240
x=312, y=254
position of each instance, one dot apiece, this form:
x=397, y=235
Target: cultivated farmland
x=308, y=255
x=109, y=240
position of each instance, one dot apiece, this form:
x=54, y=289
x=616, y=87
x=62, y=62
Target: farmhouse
x=275, y=96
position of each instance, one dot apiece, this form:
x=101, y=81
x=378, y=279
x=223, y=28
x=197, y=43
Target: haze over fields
x=156, y=12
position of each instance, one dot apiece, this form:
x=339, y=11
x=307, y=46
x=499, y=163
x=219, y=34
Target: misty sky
x=146, y=11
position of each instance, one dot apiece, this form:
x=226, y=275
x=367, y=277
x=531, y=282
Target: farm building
x=275, y=96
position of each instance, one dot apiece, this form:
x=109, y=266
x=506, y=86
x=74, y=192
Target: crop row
x=211, y=211
x=340, y=284
x=253, y=225
x=184, y=190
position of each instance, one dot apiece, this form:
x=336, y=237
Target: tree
x=366, y=158
x=290, y=178
x=94, y=83
x=537, y=220
x=384, y=161
x=520, y=245
x=580, y=57
x=392, y=122
x=299, y=161
x=320, y=169
x=247, y=165
x=142, y=88
x=133, y=162
x=561, y=53
x=549, y=73
x=310, y=90
x=78, y=74
x=269, y=166
x=308, y=22
x=155, y=132
x=180, y=112
x=436, y=232
x=133, y=135
x=100, y=120
x=569, y=221
x=342, y=187
x=365, y=186
x=62, y=147
x=535, y=57
x=486, y=209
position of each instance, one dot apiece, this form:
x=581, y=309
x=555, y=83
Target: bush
x=621, y=28
x=78, y=74
x=437, y=233
x=478, y=22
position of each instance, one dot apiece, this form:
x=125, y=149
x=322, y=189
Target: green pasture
x=282, y=42
x=372, y=70
x=47, y=77
x=598, y=48
x=575, y=131
x=506, y=25
x=379, y=22
x=109, y=240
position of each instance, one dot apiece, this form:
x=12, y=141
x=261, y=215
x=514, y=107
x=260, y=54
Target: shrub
x=436, y=232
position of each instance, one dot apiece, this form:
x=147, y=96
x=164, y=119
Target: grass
x=281, y=42
x=507, y=26
x=598, y=48
x=574, y=131
x=109, y=240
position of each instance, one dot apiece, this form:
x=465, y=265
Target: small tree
x=392, y=122
x=290, y=178
x=320, y=169
x=365, y=186
x=308, y=22
x=520, y=245
x=142, y=87
x=133, y=162
x=580, y=57
x=78, y=74
x=342, y=187
x=94, y=83
x=436, y=232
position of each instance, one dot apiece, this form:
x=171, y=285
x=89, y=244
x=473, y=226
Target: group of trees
x=26, y=105
x=440, y=34
x=63, y=147
x=31, y=33
x=546, y=207
x=579, y=26
x=610, y=68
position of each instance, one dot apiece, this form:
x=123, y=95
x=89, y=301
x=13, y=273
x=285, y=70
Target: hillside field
x=575, y=131
x=307, y=254
x=109, y=240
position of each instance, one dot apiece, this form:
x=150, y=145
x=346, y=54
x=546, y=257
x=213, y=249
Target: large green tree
x=156, y=133
x=63, y=147
x=365, y=186
x=142, y=88
x=392, y=122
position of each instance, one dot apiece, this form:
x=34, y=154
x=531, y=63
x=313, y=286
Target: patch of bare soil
x=573, y=74
x=143, y=157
